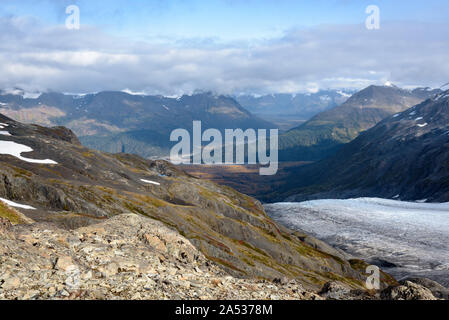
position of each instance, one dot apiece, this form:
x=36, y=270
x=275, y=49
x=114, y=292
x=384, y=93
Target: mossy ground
x=8, y=213
x=361, y=265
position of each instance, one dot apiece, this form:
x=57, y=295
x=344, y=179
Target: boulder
x=407, y=290
x=437, y=289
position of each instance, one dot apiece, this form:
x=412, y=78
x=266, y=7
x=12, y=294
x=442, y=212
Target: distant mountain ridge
x=116, y=121
x=322, y=135
x=302, y=105
x=405, y=156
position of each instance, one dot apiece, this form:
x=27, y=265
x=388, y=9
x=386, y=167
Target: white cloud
x=36, y=57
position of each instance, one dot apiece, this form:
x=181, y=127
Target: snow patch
x=344, y=94
x=17, y=205
x=31, y=95
x=133, y=93
x=15, y=149
x=422, y=125
x=421, y=201
x=20, y=92
x=396, y=115
x=325, y=98
x=151, y=182
x=419, y=118
x=442, y=96
x=5, y=133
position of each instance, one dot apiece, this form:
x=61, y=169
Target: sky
x=172, y=47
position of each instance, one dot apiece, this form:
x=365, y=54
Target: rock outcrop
x=437, y=289
x=407, y=291
x=133, y=257
x=126, y=257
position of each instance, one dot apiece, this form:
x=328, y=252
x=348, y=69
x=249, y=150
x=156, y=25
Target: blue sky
x=224, y=20
x=173, y=47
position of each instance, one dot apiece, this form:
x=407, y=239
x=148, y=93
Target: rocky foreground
x=134, y=257
x=125, y=257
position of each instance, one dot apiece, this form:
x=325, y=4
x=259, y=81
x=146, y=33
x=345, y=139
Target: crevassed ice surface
x=413, y=236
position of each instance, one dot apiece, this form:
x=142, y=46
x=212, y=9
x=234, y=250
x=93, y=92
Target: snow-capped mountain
x=327, y=131
x=300, y=105
x=115, y=121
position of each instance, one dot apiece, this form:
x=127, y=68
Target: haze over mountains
x=289, y=110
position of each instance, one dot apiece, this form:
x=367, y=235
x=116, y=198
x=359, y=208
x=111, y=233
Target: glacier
x=404, y=238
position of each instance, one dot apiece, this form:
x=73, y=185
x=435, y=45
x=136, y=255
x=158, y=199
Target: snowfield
x=17, y=205
x=16, y=149
x=150, y=182
x=412, y=236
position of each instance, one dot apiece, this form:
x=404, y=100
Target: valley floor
x=244, y=178
x=404, y=238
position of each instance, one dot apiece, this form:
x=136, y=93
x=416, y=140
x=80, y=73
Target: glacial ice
x=414, y=236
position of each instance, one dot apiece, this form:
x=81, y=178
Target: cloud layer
x=37, y=57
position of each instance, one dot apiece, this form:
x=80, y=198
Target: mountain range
x=324, y=133
x=122, y=122
x=404, y=157
x=141, y=124
x=289, y=110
